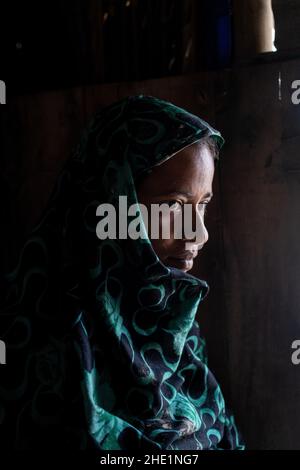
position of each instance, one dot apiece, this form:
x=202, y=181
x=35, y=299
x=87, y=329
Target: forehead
x=190, y=170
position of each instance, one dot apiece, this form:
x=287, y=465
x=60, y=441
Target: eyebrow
x=183, y=193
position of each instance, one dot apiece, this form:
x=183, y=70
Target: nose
x=198, y=235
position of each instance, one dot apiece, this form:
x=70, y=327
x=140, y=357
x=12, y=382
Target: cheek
x=162, y=248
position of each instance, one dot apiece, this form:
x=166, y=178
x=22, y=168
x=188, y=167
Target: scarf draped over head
x=103, y=334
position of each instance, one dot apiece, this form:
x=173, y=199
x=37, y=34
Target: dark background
x=65, y=43
x=62, y=60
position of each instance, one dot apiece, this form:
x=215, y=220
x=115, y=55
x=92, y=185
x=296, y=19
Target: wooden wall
x=260, y=207
x=252, y=259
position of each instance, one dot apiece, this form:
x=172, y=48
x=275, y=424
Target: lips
x=185, y=256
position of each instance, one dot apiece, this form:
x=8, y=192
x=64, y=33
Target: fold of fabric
x=103, y=334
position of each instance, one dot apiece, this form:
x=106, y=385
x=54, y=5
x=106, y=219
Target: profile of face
x=185, y=178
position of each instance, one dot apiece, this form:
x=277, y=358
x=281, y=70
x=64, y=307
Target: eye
x=174, y=205
x=203, y=206
x=178, y=205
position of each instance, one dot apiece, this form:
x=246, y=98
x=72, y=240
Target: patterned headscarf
x=103, y=347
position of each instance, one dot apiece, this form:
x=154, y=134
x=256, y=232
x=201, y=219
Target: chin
x=182, y=264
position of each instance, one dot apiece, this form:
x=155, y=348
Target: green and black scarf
x=103, y=348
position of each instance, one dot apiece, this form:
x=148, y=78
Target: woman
x=103, y=331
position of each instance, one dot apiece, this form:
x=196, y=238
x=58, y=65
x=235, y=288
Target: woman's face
x=185, y=178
